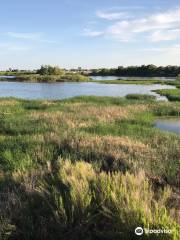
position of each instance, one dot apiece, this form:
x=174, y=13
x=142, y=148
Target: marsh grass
x=140, y=97
x=87, y=168
x=117, y=202
x=171, y=94
x=130, y=81
x=66, y=77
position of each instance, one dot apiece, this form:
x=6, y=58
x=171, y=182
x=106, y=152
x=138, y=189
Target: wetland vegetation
x=45, y=74
x=87, y=168
x=171, y=94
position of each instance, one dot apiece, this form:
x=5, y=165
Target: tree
x=50, y=70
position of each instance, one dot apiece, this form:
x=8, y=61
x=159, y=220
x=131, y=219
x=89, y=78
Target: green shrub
x=112, y=204
x=50, y=70
x=140, y=97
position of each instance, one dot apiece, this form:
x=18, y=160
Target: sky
x=89, y=33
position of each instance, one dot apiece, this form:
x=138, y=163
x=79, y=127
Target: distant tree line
x=139, y=71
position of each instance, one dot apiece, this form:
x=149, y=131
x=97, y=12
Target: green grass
x=130, y=81
x=140, y=97
x=138, y=81
x=174, y=83
x=10, y=73
x=24, y=77
x=87, y=168
x=52, y=78
x=171, y=94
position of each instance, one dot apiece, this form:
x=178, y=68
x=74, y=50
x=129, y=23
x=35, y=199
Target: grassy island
x=171, y=94
x=52, y=78
x=46, y=74
x=87, y=168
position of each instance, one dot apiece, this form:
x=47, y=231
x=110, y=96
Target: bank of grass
x=67, y=77
x=52, y=78
x=130, y=81
x=174, y=83
x=14, y=73
x=171, y=94
x=133, y=81
x=140, y=97
x=87, y=168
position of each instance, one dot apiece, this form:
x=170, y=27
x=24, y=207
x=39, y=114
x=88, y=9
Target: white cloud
x=163, y=26
x=111, y=15
x=161, y=21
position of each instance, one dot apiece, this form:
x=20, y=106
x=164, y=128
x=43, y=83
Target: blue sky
x=89, y=33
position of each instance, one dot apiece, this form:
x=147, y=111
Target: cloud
x=162, y=21
x=27, y=36
x=111, y=15
x=166, y=35
x=91, y=33
x=35, y=37
x=162, y=26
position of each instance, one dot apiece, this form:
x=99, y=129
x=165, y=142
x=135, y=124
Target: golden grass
x=10, y=102
x=126, y=199
x=121, y=149
x=81, y=115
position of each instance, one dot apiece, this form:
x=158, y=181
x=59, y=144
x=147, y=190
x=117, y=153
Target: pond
x=67, y=90
x=99, y=78
x=169, y=124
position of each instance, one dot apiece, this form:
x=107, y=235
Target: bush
x=140, y=97
x=49, y=70
x=87, y=203
x=178, y=77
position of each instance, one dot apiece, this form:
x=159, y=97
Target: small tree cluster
x=50, y=70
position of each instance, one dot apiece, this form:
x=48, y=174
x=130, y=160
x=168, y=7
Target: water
x=7, y=77
x=67, y=90
x=169, y=124
x=99, y=78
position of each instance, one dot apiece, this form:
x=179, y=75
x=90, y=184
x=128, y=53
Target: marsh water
x=7, y=77
x=169, y=124
x=67, y=90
